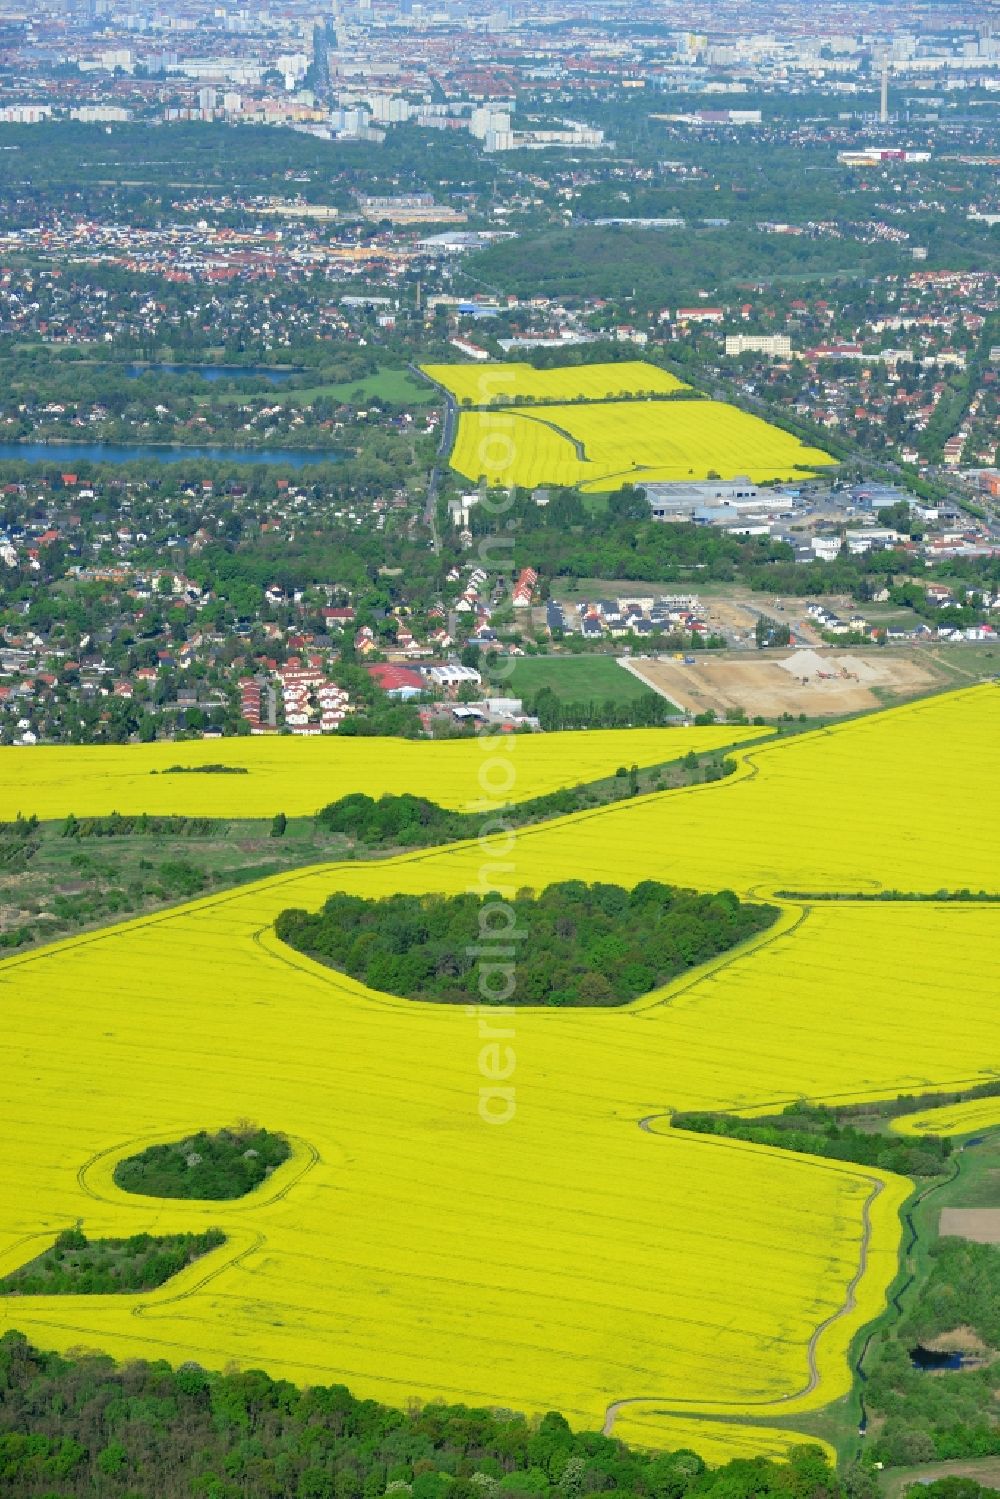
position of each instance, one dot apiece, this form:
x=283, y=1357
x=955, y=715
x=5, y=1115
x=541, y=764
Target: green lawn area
x=596, y=504
x=966, y=663
x=394, y=385
x=890, y=616
x=576, y=679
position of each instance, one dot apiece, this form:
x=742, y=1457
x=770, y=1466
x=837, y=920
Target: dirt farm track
x=815, y=682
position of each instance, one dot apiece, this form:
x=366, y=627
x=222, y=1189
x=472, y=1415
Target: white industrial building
x=670, y=501
x=774, y=345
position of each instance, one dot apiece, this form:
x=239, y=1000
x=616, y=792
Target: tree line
x=646, y=710
x=811, y=1129
x=78, y=1266
x=84, y=1426
x=408, y=821
x=120, y=825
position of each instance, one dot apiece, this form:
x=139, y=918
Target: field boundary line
x=302, y=1160
x=775, y=1406
x=629, y=665
x=790, y=917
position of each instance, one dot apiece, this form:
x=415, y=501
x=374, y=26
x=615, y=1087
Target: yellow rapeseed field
x=952, y=1119
x=594, y=1261
x=567, y=1258
x=513, y=448
x=830, y=810
x=594, y=429
x=649, y=1424
x=679, y=440
x=600, y=446
x=494, y=383
x=298, y=776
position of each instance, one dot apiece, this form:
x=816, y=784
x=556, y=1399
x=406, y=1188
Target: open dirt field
x=961, y=1339
x=981, y=1225
x=806, y=681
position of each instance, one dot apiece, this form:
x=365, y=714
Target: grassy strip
x=584, y=678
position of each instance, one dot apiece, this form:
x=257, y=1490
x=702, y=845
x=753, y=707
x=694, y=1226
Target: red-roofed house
x=524, y=588
x=397, y=681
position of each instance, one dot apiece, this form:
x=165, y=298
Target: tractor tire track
x=258, y=1198
x=153, y=1302
x=848, y=1305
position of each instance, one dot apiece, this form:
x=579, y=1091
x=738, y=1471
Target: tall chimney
x=884, y=110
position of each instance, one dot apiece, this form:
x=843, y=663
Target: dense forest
x=215, y=1167
x=408, y=821
x=663, y=268
x=589, y=944
x=78, y=1266
x=84, y=1427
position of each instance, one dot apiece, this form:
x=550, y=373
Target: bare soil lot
x=959, y=1340
x=818, y=683
x=981, y=1225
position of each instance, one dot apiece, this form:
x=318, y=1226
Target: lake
x=212, y=372
x=114, y=452
x=927, y=1358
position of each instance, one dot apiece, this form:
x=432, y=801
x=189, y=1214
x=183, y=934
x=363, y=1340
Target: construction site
x=817, y=683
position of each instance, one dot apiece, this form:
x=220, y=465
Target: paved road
x=444, y=448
